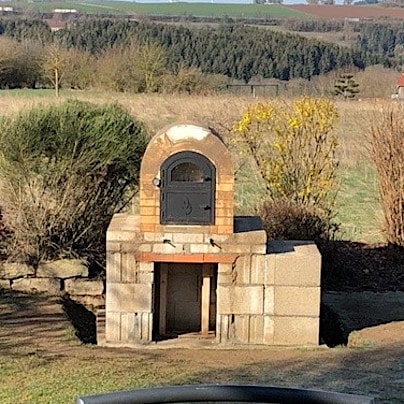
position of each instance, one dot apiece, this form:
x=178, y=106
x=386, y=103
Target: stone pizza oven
x=186, y=266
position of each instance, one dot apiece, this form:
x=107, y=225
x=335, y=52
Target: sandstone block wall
x=271, y=299
x=262, y=298
x=54, y=278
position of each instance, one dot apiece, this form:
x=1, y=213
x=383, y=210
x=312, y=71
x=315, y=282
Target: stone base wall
x=266, y=293
x=271, y=299
x=56, y=278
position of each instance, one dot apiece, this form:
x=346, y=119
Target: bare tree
x=149, y=60
x=54, y=61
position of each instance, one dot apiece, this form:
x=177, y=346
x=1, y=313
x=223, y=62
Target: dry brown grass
x=218, y=111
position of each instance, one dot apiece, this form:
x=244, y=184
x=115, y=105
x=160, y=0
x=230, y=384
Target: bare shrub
x=387, y=148
x=64, y=171
x=15, y=70
x=288, y=220
x=192, y=81
x=132, y=68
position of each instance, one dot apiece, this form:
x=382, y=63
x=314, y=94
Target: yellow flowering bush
x=294, y=148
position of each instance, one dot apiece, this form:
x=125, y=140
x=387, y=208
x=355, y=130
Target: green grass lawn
x=49, y=380
x=358, y=207
x=195, y=9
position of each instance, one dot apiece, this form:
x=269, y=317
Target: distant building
x=400, y=87
x=64, y=11
x=56, y=24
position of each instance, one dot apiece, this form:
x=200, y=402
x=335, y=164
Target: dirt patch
x=357, y=267
x=341, y=12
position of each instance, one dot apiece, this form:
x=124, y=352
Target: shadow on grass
x=26, y=319
x=374, y=372
x=82, y=319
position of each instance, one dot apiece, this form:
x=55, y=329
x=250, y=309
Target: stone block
x=113, y=246
x=146, y=266
x=113, y=270
x=256, y=237
x=167, y=248
x=217, y=238
x=268, y=337
x=153, y=237
x=5, y=284
x=240, y=300
x=197, y=248
x=92, y=303
x=241, y=329
x=145, y=247
x=49, y=286
x=122, y=236
x=129, y=297
x=259, y=249
x=296, y=331
x=241, y=249
x=269, y=271
x=269, y=300
x=224, y=279
x=223, y=328
x=145, y=277
x=84, y=287
x=295, y=301
x=301, y=267
x=192, y=238
x=256, y=330
x=143, y=327
x=62, y=269
x=112, y=326
x=257, y=269
x=128, y=267
x=224, y=268
x=123, y=227
x=242, y=268
x=12, y=270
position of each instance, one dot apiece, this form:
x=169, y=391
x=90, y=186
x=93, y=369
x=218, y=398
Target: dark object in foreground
x=224, y=393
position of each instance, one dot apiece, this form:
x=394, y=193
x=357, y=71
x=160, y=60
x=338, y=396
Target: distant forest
x=233, y=50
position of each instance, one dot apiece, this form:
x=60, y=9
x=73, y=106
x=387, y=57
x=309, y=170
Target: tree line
x=146, y=56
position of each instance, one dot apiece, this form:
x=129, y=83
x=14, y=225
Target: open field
x=357, y=205
x=341, y=12
x=165, y=9
x=275, y=11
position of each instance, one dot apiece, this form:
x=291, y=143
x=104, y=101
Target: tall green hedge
x=64, y=171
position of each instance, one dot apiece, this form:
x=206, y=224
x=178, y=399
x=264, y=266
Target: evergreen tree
x=346, y=86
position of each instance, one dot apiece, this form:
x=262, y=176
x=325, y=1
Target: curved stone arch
x=186, y=138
